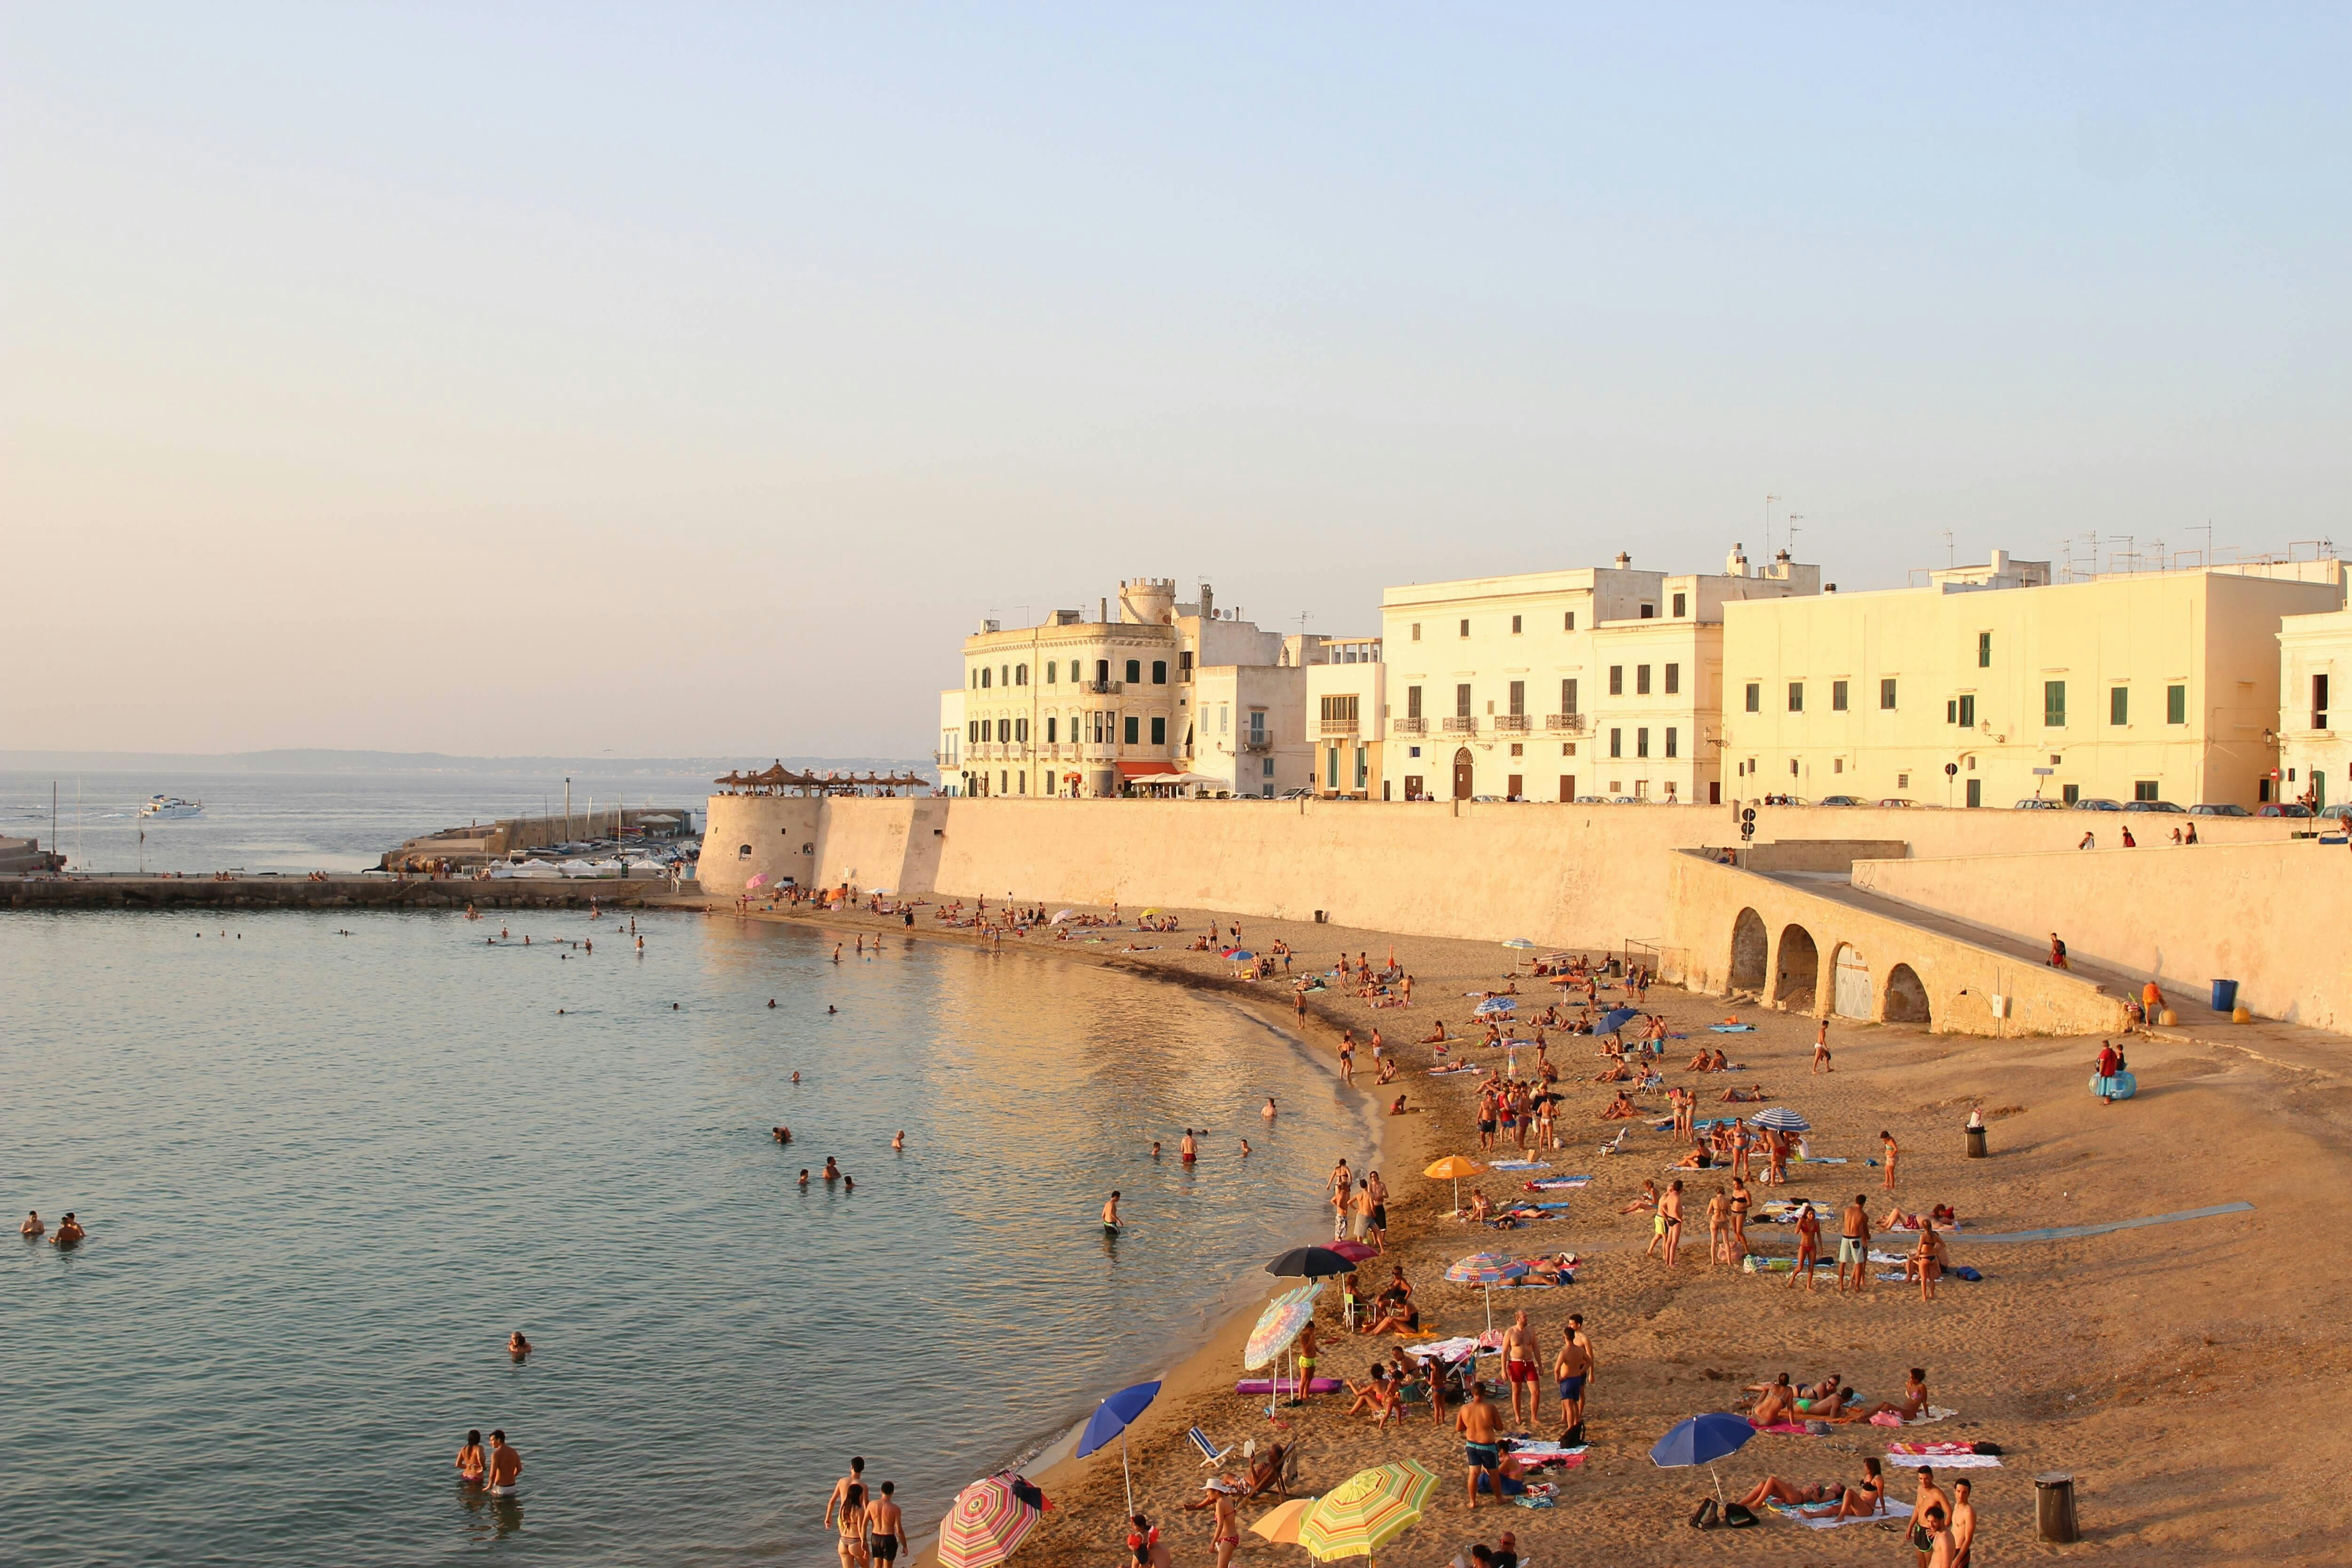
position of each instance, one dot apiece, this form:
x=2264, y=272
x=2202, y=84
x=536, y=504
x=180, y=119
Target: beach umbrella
x=1150, y=912
x=1782, y=1118
x=989, y=1519
x=1280, y=1523
x=1353, y=1251
x=1278, y=1325
x=1311, y=1262
x=1702, y=1440
x=1241, y=955
x=759, y=879
x=1452, y=1168
x=1486, y=1270
x=1110, y=1419
x=1520, y=942
x=1615, y=1019
x=1493, y=1005
x=1366, y=1510
x=1061, y=915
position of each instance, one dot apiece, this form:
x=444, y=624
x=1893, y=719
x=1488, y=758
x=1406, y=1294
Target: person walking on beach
x=841, y=1488
x=1822, y=1047
x=1342, y=1200
x=1854, y=1244
x=1225, y=1533
x=1573, y=1368
x=1809, y=1245
x=1481, y=1425
x=1522, y=1365
x=886, y=1527
x=1670, y=1214
x=1887, y=1141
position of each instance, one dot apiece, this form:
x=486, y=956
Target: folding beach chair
x=1211, y=1453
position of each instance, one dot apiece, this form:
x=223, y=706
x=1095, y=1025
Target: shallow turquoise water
x=324, y=1175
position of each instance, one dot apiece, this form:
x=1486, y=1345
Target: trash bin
x=1975, y=1141
x=2225, y=995
x=2053, y=1509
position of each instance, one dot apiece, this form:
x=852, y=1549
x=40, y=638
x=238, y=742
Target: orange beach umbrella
x=1452, y=1168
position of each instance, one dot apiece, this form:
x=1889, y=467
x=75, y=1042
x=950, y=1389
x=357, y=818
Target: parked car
x=2098, y=803
x=2037, y=804
x=1295, y=794
x=2284, y=808
x=2341, y=813
x=1842, y=800
x=1897, y=800
x=1591, y=800
x=2152, y=806
x=1627, y=800
x=2226, y=808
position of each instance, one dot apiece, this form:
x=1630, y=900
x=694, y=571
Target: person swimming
x=899, y=1141
x=782, y=1134
x=1110, y=1213
x=1188, y=1149
x=33, y=1228
x=831, y=1169
x=804, y=1176
x=70, y=1231
x=471, y=1462
x=1268, y=1111
x=517, y=1346
x=796, y=1077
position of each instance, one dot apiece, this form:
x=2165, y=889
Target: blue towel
x=1732, y=1028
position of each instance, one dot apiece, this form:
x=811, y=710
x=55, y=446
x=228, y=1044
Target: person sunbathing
x=1620, y=1073
x=1914, y=1401
x=1868, y=1500
x=1699, y=1063
x=1772, y=1489
x=1647, y=1199
x=1398, y=1316
x=1721, y=1063
x=1481, y=1209
x=1264, y=1473
x=1436, y=1035
x=1375, y=1396
x=1897, y=1219
x=1388, y=1070
x=1700, y=1158
x=1557, y=1269
x=1942, y=1215
x=1621, y=1108
x=1776, y=1405
x=1753, y=1095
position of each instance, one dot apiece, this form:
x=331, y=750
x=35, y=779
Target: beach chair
x=1210, y=1454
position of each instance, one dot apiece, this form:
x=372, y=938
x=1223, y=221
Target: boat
x=168, y=806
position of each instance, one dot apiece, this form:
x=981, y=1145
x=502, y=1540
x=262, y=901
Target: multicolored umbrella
x=1522, y=943
x=1279, y=1324
x=1366, y=1510
x=1493, y=1005
x=1487, y=1269
x=1781, y=1117
x=988, y=1521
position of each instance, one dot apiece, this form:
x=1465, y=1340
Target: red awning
x=1145, y=770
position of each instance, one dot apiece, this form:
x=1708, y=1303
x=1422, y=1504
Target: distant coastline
x=327, y=761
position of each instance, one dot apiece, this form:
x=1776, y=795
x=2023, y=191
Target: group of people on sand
x=1781, y=1403
x=69, y=1233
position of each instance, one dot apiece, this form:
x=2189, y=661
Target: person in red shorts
x=1522, y=1363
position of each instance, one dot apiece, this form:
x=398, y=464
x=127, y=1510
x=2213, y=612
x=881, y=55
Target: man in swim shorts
x=886, y=1527
x=1853, y=1246
x=1522, y=1356
x=505, y=1466
x=1572, y=1366
x=1188, y=1150
x=1110, y=1213
x=1481, y=1425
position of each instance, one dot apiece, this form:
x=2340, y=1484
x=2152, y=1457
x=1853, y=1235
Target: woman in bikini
x=1227, y=1535
x=851, y=1544
x=471, y=1465
x=1739, y=1201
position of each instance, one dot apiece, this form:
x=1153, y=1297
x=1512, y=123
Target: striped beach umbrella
x=988, y=1521
x=1486, y=1270
x=1493, y=1005
x=1366, y=1510
x=1518, y=942
x=1781, y=1117
x=1279, y=1324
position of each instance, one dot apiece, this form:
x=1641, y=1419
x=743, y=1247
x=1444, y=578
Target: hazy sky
x=682, y=378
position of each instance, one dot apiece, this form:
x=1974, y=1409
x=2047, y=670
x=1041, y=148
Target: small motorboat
x=170, y=805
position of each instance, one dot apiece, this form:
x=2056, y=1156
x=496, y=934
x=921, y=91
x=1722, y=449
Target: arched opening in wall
x=1906, y=999
x=1798, y=983
x=1461, y=772
x=744, y=853
x=1748, y=951
x=1850, y=983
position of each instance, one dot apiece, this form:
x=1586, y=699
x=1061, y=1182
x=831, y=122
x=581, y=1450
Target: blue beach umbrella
x=1110, y=1420
x=1615, y=1019
x=1702, y=1440
x=1240, y=955
x=1493, y=1005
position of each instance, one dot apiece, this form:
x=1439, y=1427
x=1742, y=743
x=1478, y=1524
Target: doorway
x=1851, y=990
x=1461, y=773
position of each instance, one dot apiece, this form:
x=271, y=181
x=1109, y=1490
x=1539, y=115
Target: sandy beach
x=2183, y=1372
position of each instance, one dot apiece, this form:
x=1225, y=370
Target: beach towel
x=1787, y=1429
x=1519, y=1165
x=1556, y=1183
x=1824, y=1160
x=1945, y=1461
x=1286, y=1385
x=1731, y=1028
x=1530, y=1452
x=1823, y=1515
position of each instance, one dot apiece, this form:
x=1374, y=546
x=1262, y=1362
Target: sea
x=328, y=1162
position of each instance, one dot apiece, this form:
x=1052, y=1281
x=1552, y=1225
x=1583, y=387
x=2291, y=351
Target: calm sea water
x=325, y=1175
x=293, y=822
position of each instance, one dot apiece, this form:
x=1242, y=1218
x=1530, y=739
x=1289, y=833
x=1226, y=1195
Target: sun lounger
x=1211, y=1453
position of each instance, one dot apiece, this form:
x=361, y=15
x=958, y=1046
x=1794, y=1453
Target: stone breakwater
x=334, y=893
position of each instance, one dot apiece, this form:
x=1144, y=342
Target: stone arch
x=1906, y=999
x=1798, y=965
x=1750, y=946
x=1850, y=989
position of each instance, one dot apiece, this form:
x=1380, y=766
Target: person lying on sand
x=1620, y=1073
x=1914, y=1401
x=1752, y=1095
x=1646, y=1200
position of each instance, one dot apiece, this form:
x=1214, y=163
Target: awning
x=1144, y=769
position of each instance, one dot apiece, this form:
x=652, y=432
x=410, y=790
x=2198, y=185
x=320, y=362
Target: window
x=1649, y=612
x=2144, y=789
x=1413, y=702
x=1796, y=697
x=1465, y=628
x=1679, y=606
x=1184, y=665
x=743, y=853
x=1417, y=631
x=1976, y=793
x=1673, y=750
x=1641, y=679
x=1568, y=622
x=1641, y=741
x=2176, y=705
x=2054, y=704
x=1049, y=731
x=1224, y=720
x=2119, y=705
x=2073, y=793
x=1616, y=681
x=1158, y=672
x=1004, y=674
x=1837, y=696
x=1674, y=679
x=1968, y=711
x=1020, y=675
x=1004, y=732
x=1338, y=709
x=1616, y=742
x=1886, y=692
x=1514, y=625
x=1363, y=767
x=1158, y=730
x=1755, y=696
x=1461, y=701
x=1331, y=768
x=1134, y=670
x=1134, y=727
x=1951, y=711
x=1984, y=650
x=984, y=674
x=1518, y=697
x=971, y=731
x=1265, y=769
x=2319, y=702
x=1258, y=730
x=1902, y=781
x=1020, y=730
x=1568, y=695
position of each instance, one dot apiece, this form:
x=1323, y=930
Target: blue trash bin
x=2225, y=995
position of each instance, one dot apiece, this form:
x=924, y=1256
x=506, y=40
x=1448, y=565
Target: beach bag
x=1738, y=1515
x=1962, y=1271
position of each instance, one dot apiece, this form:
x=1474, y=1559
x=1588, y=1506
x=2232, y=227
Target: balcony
x=1102, y=688
x=1511, y=723
x=1462, y=725
x=1254, y=743
x=1339, y=727
x=1408, y=726
x=1565, y=723
x=947, y=759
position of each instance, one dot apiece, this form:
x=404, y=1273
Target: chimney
x=1736, y=563
x=1208, y=602
x=1999, y=563
x=1624, y=562
x=1102, y=608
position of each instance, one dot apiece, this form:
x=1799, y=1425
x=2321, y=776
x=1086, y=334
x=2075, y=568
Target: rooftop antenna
x=1794, y=518
x=2207, y=532
x=1768, y=525
x=1950, y=560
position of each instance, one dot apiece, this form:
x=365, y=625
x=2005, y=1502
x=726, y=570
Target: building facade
x=1992, y=685
x=1599, y=682
x=2314, y=731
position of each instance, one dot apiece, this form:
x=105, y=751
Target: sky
x=689, y=379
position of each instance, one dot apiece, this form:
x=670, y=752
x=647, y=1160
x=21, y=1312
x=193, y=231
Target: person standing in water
x=472, y=1464
x=1110, y=1213
x=505, y=1467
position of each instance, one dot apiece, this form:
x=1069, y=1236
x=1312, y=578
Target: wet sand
x=2184, y=1374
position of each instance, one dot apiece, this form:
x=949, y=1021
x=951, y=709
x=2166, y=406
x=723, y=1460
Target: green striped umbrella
x=1366, y=1510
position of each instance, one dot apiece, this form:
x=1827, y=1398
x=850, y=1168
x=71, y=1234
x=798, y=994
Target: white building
x=2314, y=722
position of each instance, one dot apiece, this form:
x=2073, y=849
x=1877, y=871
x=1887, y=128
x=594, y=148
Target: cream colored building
x=1992, y=685
x=1599, y=681
x=1076, y=708
x=2315, y=718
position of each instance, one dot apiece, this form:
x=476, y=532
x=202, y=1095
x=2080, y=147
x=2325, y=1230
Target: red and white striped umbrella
x=988, y=1521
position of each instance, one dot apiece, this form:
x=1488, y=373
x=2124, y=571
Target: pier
x=346, y=892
